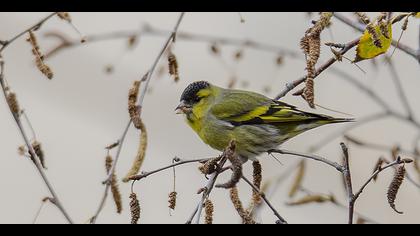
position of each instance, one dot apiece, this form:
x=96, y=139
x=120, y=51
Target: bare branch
x=30, y=148
x=256, y=189
x=309, y=156
x=33, y=27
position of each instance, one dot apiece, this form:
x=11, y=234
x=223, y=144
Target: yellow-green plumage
x=256, y=122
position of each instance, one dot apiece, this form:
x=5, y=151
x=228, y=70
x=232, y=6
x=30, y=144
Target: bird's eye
x=197, y=99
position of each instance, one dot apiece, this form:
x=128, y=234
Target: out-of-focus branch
x=148, y=30
x=400, y=90
x=357, y=26
x=30, y=148
x=36, y=26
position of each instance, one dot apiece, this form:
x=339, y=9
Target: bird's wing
x=245, y=108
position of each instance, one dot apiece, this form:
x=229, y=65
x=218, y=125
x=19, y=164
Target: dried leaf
x=312, y=199
x=366, y=49
x=141, y=154
x=209, y=210
x=298, y=179
x=395, y=186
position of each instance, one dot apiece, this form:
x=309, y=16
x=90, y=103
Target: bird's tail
x=332, y=120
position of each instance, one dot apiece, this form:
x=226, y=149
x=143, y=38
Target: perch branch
x=309, y=156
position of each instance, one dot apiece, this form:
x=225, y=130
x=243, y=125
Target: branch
x=398, y=161
x=290, y=86
x=121, y=141
x=309, y=156
x=148, y=173
x=148, y=30
x=34, y=27
x=31, y=150
x=399, y=88
x=107, y=182
x=281, y=220
x=170, y=39
x=348, y=182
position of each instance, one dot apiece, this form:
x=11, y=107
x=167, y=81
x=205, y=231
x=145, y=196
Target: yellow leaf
x=418, y=15
x=366, y=48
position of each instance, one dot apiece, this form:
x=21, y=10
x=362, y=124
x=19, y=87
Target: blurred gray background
x=83, y=109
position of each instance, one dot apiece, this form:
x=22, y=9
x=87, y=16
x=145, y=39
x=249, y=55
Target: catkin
x=209, y=166
x=311, y=46
x=13, y=103
x=39, y=57
x=39, y=152
x=245, y=216
x=172, y=200
x=173, y=66
x=141, y=153
x=257, y=179
x=378, y=166
x=374, y=35
x=133, y=109
x=363, y=17
x=116, y=194
x=209, y=211
x=395, y=186
x=308, y=92
x=134, y=209
x=236, y=172
x=312, y=199
x=298, y=179
x=64, y=16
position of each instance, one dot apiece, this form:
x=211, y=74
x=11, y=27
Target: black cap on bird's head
x=189, y=96
x=190, y=92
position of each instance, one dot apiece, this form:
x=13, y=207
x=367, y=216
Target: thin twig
x=121, y=141
x=398, y=161
x=148, y=30
x=148, y=173
x=291, y=85
x=309, y=156
x=33, y=27
x=31, y=150
x=208, y=188
x=256, y=189
x=399, y=88
x=170, y=39
x=107, y=182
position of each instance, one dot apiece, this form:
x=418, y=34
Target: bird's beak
x=182, y=108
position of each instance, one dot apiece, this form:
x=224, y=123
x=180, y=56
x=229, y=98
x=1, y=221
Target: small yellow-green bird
x=256, y=123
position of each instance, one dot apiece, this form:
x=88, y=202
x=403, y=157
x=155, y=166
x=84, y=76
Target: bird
x=256, y=123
